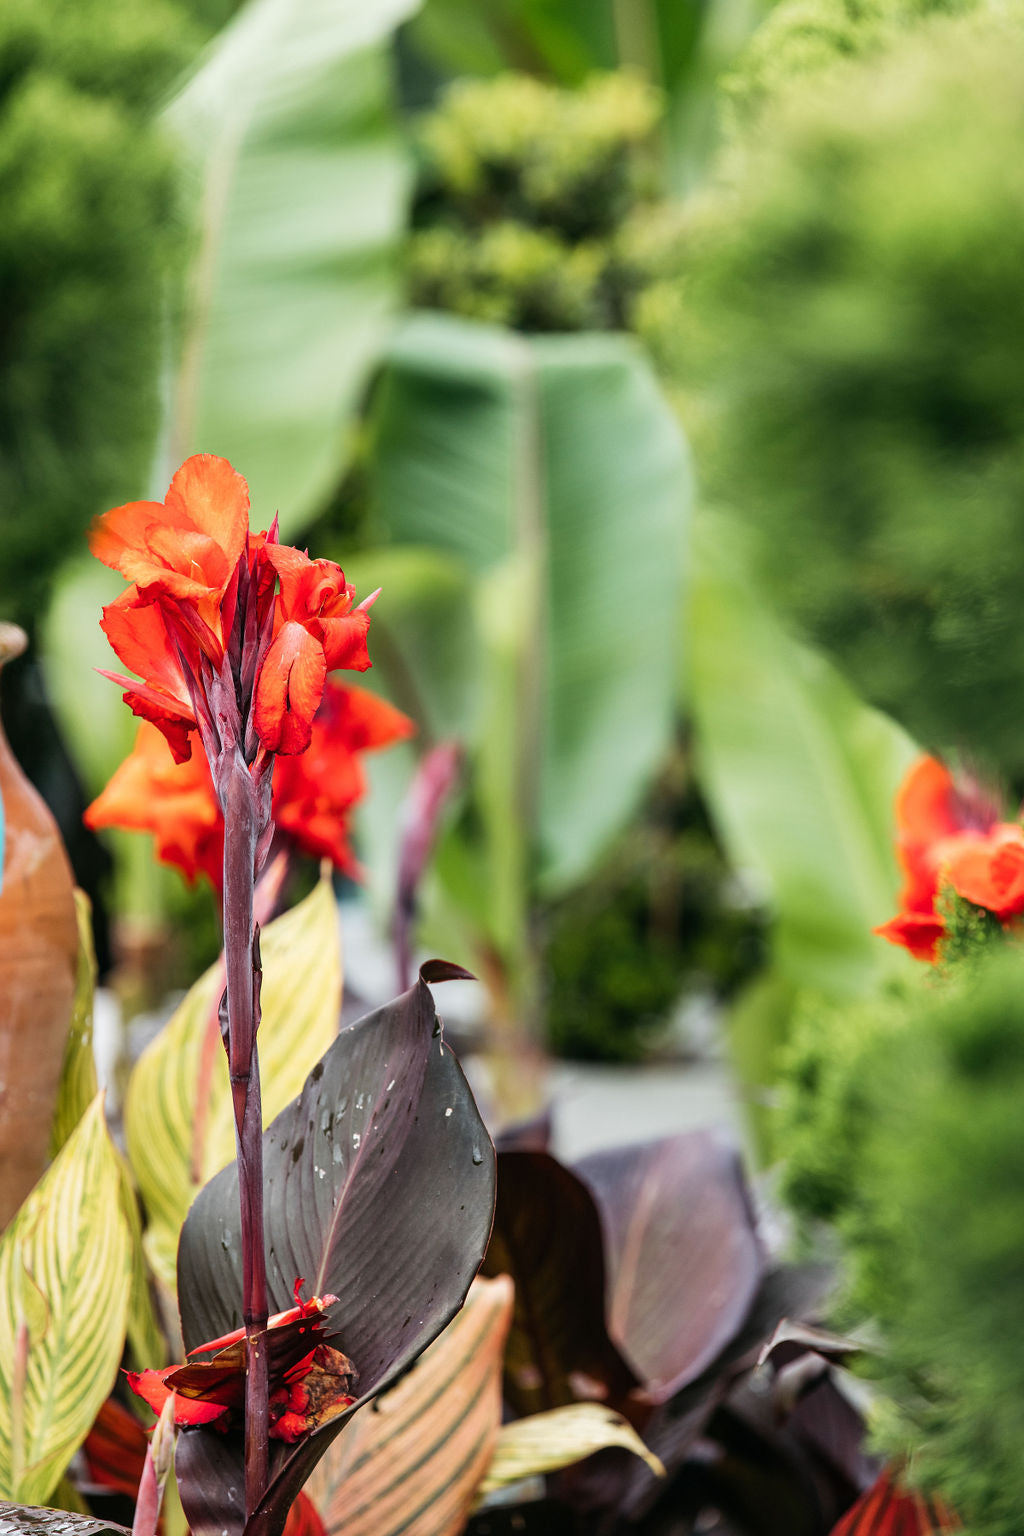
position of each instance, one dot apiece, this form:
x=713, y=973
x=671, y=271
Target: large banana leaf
x=65, y=1273
x=800, y=775
x=302, y=186
x=178, y=1121
x=552, y=467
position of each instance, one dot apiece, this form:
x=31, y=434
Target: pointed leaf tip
x=444, y=970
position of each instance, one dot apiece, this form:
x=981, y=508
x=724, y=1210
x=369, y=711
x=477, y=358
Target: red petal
x=887, y=1510
x=916, y=931
x=212, y=496
x=304, y=1519
x=288, y=690
x=345, y=642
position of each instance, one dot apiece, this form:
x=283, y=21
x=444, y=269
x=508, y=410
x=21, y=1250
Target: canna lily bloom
x=175, y=801
x=887, y=1509
x=185, y=549
x=316, y=629
x=314, y=792
x=949, y=834
x=308, y=1385
x=216, y=647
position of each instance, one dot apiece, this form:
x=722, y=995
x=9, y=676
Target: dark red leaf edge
x=379, y=1185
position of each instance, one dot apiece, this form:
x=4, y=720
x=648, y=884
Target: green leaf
x=546, y=1442
x=303, y=190
x=179, y=1133
x=64, y=1281
x=800, y=776
x=78, y=1084
x=557, y=457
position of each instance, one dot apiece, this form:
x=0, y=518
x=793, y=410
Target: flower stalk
x=242, y=835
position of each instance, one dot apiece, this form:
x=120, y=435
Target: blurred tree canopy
x=853, y=297
x=89, y=244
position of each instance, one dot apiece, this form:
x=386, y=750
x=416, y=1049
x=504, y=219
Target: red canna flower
x=316, y=629
x=216, y=648
x=308, y=1386
x=314, y=792
x=950, y=834
x=889, y=1510
x=175, y=801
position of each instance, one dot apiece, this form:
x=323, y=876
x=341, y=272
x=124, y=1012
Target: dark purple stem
x=241, y=958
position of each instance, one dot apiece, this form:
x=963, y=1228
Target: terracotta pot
x=38, y=948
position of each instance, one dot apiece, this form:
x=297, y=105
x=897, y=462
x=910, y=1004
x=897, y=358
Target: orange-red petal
x=214, y=498
x=919, y=932
x=153, y=1389
x=889, y=1510
x=289, y=689
x=990, y=872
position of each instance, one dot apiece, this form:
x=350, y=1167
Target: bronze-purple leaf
x=379, y=1189
x=684, y=1261
x=547, y=1236
x=27, y=1520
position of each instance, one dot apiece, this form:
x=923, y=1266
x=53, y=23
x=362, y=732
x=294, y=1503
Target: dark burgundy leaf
x=683, y=1256
x=616, y=1480
x=379, y=1189
x=23, y=1520
x=547, y=1236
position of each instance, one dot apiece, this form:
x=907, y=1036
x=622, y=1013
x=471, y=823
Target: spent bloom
x=950, y=835
x=310, y=1380
x=314, y=792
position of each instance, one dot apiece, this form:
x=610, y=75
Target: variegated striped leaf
x=546, y=1442
x=78, y=1083
x=413, y=1464
x=178, y=1121
x=65, y=1273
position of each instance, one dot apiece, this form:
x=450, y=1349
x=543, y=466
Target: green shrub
x=852, y=306
x=537, y=206
x=88, y=242
x=935, y=1234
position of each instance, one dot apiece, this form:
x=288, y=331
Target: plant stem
x=241, y=959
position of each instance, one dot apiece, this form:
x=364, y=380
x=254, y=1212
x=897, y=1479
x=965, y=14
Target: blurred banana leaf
x=301, y=185
x=799, y=773
x=551, y=469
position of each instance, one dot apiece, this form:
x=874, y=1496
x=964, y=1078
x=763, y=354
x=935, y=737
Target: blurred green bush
x=853, y=297
x=539, y=206
x=904, y=1126
x=89, y=244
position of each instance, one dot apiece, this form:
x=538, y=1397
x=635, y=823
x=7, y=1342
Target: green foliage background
x=853, y=294
x=903, y=1125
x=90, y=243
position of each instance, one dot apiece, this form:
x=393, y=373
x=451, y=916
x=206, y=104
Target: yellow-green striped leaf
x=413, y=1464
x=65, y=1271
x=546, y=1442
x=178, y=1122
x=78, y=1083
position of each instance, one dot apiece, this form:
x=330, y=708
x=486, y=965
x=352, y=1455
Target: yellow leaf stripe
x=545, y=1442
x=65, y=1268
x=301, y=1001
x=413, y=1462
